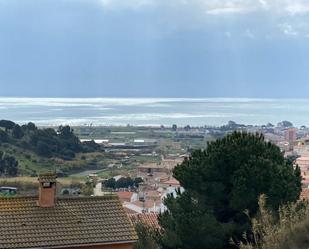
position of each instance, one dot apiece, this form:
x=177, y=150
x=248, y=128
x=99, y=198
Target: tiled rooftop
x=304, y=195
x=172, y=182
x=47, y=177
x=150, y=219
x=73, y=221
x=123, y=195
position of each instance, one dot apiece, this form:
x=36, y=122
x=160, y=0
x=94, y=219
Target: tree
x=269, y=125
x=17, y=132
x=137, y=181
x=31, y=126
x=124, y=182
x=87, y=189
x=110, y=183
x=187, y=224
x=65, y=192
x=232, y=124
x=90, y=146
x=65, y=132
x=68, y=140
x=3, y=136
x=7, y=124
x=285, y=124
x=11, y=165
x=2, y=165
x=146, y=237
x=8, y=165
x=43, y=149
x=187, y=128
x=221, y=183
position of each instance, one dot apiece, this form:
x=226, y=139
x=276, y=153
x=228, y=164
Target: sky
x=154, y=48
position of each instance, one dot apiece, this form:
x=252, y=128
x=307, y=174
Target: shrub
x=289, y=229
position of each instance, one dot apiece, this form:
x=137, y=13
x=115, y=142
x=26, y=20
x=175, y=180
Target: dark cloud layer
x=94, y=48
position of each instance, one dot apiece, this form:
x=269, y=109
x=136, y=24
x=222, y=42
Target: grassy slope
x=32, y=164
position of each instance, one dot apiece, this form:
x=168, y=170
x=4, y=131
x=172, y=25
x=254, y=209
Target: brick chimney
x=47, y=189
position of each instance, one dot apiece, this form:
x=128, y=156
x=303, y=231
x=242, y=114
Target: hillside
x=28, y=150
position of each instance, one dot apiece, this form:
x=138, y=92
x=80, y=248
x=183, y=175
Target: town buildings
x=290, y=136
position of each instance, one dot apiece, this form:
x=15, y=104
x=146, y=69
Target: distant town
x=151, y=153
x=134, y=164
x=147, y=155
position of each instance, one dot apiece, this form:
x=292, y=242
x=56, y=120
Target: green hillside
x=27, y=150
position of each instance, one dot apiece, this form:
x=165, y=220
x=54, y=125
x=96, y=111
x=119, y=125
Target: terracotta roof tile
x=47, y=177
x=147, y=203
x=304, y=195
x=129, y=211
x=172, y=182
x=73, y=221
x=150, y=219
x=124, y=195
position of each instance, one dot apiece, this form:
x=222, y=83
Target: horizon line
x=156, y=97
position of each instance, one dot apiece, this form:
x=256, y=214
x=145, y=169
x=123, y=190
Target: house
x=166, y=166
x=151, y=168
x=170, y=182
x=149, y=219
x=170, y=164
x=126, y=196
x=147, y=206
x=303, y=163
x=304, y=195
x=52, y=222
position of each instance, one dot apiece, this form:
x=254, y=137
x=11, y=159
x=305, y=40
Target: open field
x=122, y=151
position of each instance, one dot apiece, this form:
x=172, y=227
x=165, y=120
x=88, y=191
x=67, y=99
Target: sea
x=153, y=111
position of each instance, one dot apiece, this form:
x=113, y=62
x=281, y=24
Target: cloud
x=288, y=30
x=295, y=8
x=132, y=4
x=249, y=34
x=282, y=7
x=222, y=7
x=227, y=10
x=264, y=4
x=219, y=7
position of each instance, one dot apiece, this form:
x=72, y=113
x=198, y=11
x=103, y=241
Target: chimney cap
x=47, y=177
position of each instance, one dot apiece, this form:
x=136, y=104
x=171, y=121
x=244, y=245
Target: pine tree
x=221, y=183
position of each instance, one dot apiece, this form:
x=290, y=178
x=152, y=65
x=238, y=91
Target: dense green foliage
x=38, y=149
x=123, y=182
x=87, y=188
x=7, y=124
x=146, y=237
x=110, y=183
x=221, y=183
x=46, y=142
x=8, y=165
